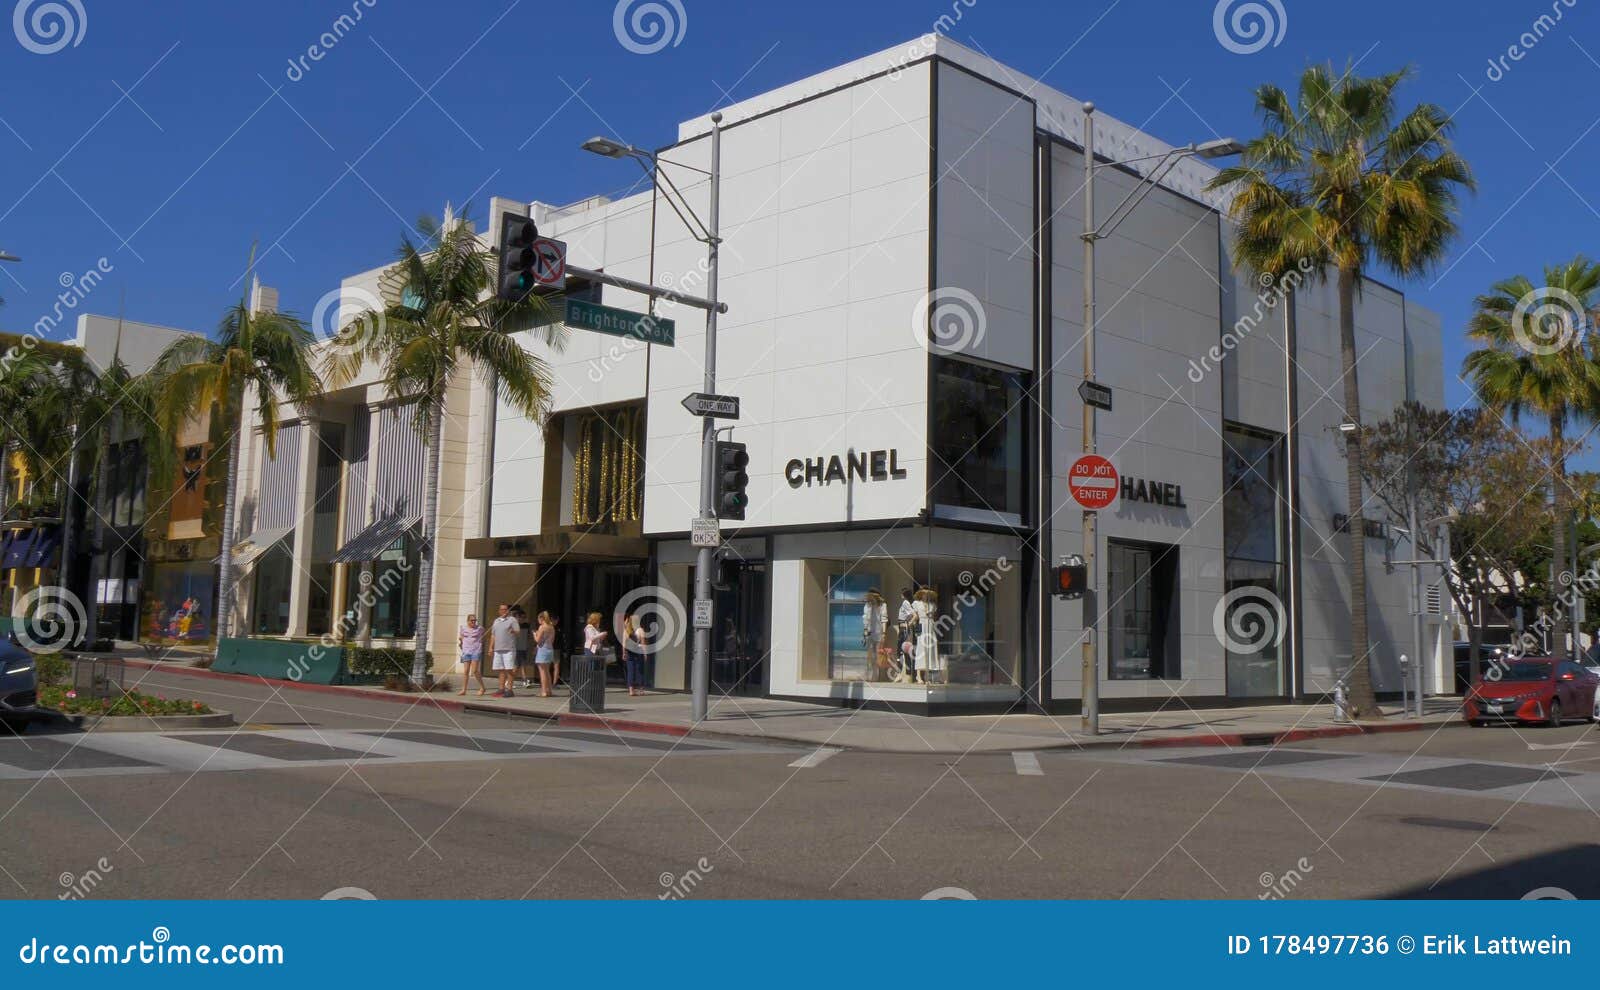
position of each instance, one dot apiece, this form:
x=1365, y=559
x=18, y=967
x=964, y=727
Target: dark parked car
x=1464, y=662
x=1532, y=689
x=19, y=689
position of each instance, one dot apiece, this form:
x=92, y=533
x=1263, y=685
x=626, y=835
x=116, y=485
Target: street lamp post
x=709, y=233
x=1092, y=233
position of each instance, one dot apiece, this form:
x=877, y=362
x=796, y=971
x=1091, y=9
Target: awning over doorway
x=14, y=553
x=45, y=541
x=369, y=544
x=575, y=545
x=249, y=550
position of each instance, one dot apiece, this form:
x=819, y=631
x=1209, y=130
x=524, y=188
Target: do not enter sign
x=1093, y=482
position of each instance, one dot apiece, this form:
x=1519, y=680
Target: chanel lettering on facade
x=1154, y=492
x=877, y=465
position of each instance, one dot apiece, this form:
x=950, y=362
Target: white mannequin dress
x=928, y=657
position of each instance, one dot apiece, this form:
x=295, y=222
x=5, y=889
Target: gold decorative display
x=606, y=471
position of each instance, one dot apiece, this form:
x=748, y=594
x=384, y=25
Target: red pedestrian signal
x=1071, y=580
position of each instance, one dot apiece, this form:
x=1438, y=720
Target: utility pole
x=1091, y=597
x=700, y=671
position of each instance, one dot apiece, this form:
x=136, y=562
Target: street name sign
x=645, y=327
x=720, y=406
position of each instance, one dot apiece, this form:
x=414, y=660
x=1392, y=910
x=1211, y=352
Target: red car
x=1532, y=689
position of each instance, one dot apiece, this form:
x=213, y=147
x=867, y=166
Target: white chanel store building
x=901, y=266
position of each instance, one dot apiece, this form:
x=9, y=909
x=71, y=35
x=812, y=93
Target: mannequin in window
x=906, y=645
x=874, y=624
x=930, y=665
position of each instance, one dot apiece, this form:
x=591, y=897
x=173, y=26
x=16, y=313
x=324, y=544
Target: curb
x=578, y=720
x=154, y=723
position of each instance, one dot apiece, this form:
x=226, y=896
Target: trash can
x=587, y=678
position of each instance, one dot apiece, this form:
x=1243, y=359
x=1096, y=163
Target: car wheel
x=1477, y=723
x=1554, y=721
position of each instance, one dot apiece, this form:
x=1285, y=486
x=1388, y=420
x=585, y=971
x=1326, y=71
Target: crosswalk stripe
x=1027, y=764
x=815, y=757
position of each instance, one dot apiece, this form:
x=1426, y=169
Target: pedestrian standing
x=544, y=654
x=504, y=643
x=634, y=640
x=471, y=642
x=523, y=673
x=594, y=635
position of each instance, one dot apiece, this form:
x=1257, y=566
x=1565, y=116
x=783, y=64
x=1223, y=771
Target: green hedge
x=380, y=662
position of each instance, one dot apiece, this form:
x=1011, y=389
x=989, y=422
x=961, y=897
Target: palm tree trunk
x=421, y=666
x=64, y=572
x=225, y=559
x=1558, y=536
x=1362, y=701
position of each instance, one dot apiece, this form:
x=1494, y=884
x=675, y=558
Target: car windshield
x=1519, y=670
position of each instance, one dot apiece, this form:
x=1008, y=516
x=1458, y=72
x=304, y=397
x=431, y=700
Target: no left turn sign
x=1093, y=482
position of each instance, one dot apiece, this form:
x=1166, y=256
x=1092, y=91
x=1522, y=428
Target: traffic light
x=517, y=257
x=732, y=480
x=1071, y=580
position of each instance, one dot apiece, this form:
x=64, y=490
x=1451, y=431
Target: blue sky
x=157, y=142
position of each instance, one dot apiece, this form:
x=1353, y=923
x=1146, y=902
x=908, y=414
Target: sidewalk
x=893, y=732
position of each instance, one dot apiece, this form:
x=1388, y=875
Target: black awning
x=45, y=542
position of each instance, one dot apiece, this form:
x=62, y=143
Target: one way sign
x=720, y=406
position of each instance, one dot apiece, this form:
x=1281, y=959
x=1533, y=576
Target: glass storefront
x=1254, y=616
x=177, y=602
x=917, y=621
x=269, y=610
x=394, y=590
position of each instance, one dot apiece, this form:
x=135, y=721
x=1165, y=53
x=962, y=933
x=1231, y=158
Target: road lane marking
x=1570, y=745
x=815, y=757
x=1027, y=764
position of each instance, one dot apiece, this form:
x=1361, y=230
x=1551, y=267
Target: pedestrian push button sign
x=1093, y=482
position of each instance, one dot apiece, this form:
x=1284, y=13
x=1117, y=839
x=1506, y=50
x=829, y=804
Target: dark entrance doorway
x=739, y=643
x=570, y=591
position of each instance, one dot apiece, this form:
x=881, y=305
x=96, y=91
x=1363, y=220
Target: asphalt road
x=317, y=793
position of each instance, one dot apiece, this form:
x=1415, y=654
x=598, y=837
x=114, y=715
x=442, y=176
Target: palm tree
x=1539, y=359
x=1339, y=180
x=256, y=356
x=440, y=318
